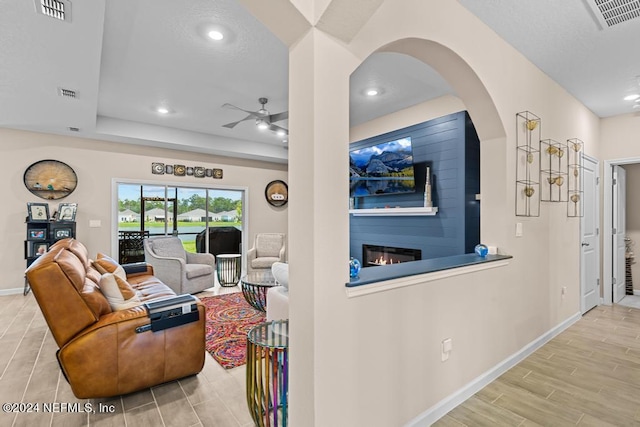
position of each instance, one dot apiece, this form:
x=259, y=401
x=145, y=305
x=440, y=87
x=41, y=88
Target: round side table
x=268, y=373
x=228, y=269
x=255, y=286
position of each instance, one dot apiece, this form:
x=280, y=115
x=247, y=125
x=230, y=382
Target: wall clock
x=277, y=193
x=50, y=179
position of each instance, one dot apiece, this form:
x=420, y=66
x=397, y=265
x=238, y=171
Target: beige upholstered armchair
x=267, y=249
x=182, y=271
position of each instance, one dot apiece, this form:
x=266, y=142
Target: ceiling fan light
x=281, y=133
x=261, y=124
x=372, y=92
x=162, y=110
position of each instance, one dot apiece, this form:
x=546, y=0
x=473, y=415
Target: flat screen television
x=385, y=168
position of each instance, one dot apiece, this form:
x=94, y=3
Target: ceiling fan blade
x=276, y=128
x=233, y=107
x=233, y=124
x=279, y=116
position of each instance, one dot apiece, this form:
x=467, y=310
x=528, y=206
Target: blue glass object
x=354, y=268
x=482, y=250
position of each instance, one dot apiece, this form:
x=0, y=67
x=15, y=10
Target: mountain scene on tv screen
x=382, y=169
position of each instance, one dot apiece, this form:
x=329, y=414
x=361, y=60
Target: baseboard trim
x=12, y=291
x=441, y=408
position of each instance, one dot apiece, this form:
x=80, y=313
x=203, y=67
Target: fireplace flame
x=383, y=261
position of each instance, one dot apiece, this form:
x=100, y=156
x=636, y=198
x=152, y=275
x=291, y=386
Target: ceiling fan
x=263, y=119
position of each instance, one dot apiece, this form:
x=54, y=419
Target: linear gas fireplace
x=385, y=255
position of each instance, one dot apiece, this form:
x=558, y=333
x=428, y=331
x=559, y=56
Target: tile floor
x=29, y=372
x=630, y=301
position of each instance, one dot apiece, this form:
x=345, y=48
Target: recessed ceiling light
x=281, y=133
x=215, y=35
x=631, y=97
x=162, y=110
x=372, y=92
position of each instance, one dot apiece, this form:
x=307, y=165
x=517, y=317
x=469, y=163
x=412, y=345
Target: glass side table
x=255, y=286
x=268, y=373
x=228, y=269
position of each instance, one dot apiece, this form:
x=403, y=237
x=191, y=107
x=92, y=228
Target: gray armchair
x=267, y=249
x=182, y=271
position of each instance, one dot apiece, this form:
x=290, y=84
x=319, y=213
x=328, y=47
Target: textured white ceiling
x=563, y=38
x=125, y=58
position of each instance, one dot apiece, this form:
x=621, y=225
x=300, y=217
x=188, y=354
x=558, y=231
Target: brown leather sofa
x=101, y=354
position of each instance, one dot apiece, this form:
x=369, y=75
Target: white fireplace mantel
x=415, y=211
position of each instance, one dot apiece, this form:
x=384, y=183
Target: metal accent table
x=268, y=373
x=255, y=286
x=228, y=269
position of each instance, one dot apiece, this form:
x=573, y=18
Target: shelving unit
x=417, y=211
x=40, y=236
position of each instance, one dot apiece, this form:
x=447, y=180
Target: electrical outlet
x=519, y=230
x=564, y=290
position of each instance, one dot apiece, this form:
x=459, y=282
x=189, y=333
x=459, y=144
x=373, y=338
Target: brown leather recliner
x=101, y=354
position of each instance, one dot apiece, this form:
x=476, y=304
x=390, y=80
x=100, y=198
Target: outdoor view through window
x=186, y=212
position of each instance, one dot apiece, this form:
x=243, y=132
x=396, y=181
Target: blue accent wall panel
x=442, y=145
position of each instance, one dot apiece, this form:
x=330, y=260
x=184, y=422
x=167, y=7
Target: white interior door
x=590, y=248
x=619, y=231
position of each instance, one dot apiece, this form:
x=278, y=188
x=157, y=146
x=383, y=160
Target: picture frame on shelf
x=39, y=248
x=38, y=212
x=37, y=234
x=67, y=212
x=62, y=233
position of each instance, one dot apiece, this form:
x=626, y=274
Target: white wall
x=375, y=360
x=96, y=163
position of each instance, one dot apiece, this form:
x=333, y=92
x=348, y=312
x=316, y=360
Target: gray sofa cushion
x=168, y=247
x=263, y=262
x=269, y=245
x=197, y=270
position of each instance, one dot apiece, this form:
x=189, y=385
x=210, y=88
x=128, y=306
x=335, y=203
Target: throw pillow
x=118, y=292
x=106, y=264
x=280, y=271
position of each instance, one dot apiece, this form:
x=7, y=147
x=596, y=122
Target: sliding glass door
x=205, y=219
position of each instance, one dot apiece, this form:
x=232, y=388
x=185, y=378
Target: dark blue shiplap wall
x=449, y=145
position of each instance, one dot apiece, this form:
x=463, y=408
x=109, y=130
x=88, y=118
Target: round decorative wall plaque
x=277, y=193
x=50, y=179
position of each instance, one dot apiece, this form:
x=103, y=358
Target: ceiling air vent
x=66, y=93
x=613, y=12
x=58, y=9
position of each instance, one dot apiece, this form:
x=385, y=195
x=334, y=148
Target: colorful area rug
x=229, y=318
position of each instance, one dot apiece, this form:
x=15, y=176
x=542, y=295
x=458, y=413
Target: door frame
x=607, y=227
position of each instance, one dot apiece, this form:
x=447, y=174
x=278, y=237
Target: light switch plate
x=518, y=229
x=95, y=223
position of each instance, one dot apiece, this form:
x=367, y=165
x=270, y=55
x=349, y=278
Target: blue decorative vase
x=354, y=268
x=482, y=250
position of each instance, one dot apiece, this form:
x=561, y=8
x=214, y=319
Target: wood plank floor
x=589, y=375
x=29, y=372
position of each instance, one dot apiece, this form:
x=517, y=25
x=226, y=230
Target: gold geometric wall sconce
x=527, y=164
x=575, y=191
x=553, y=171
